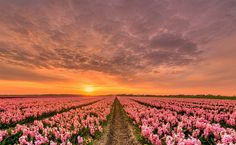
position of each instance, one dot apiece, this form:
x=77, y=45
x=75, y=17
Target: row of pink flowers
x=60, y=128
x=3, y=133
x=213, y=110
x=170, y=124
x=15, y=110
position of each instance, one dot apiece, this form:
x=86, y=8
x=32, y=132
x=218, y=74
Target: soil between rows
x=119, y=131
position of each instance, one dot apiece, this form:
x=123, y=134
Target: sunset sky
x=118, y=46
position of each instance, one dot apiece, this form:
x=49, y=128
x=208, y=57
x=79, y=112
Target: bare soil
x=119, y=131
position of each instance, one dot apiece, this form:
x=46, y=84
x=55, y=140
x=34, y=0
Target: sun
x=89, y=89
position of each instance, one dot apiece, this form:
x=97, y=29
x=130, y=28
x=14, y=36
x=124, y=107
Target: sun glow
x=89, y=89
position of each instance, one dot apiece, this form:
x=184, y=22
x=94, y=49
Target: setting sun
x=89, y=89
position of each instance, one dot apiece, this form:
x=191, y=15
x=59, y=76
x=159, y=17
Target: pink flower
x=206, y=132
x=100, y=128
x=1, y=138
x=22, y=140
x=80, y=140
x=227, y=139
x=92, y=131
x=170, y=140
x=146, y=131
x=52, y=143
x=155, y=139
x=68, y=143
x=25, y=132
x=196, y=133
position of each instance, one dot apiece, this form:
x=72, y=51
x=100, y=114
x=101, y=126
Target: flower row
x=76, y=126
x=165, y=125
x=215, y=111
x=16, y=110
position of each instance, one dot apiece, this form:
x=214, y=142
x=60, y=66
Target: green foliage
x=12, y=139
x=73, y=139
x=98, y=135
x=93, y=114
x=207, y=141
x=223, y=124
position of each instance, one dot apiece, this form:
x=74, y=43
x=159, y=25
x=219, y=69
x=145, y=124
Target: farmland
x=117, y=120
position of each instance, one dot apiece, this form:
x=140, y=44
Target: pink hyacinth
x=196, y=133
x=182, y=121
x=52, y=143
x=146, y=131
x=227, y=139
x=155, y=139
x=80, y=140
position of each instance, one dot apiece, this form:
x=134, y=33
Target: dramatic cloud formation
x=156, y=43
x=13, y=73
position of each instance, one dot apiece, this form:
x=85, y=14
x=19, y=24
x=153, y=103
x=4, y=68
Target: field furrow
x=120, y=130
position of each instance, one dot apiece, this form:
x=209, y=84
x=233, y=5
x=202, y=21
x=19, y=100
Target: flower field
x=183, y=121
x=82, y=120
x=15, y=110
x=77, y=125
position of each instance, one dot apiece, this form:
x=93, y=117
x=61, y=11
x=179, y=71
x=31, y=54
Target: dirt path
x=119, y=131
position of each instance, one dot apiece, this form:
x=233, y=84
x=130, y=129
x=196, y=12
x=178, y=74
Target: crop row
x=13, y=111
x=171, y=122
x=215, y=111
x=76, y=126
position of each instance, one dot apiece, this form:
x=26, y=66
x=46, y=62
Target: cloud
x=117, y=37
x=20, y=74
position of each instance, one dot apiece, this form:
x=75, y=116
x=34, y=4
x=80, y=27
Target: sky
x=118, y=46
